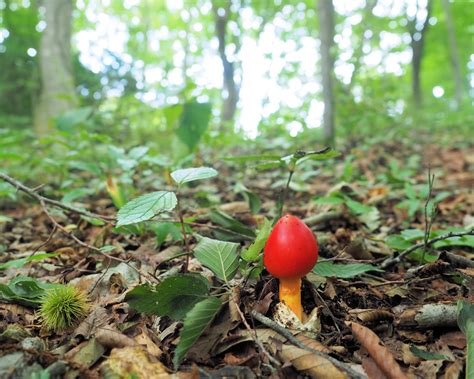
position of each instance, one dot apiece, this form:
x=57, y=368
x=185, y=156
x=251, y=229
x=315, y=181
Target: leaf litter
x=372, y=319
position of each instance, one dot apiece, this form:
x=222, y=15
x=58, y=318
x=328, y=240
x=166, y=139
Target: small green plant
x=62, y=307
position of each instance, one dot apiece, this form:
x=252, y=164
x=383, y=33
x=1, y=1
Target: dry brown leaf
x=373, y=371
x=454, y=370
x=313, y=343
x=310, y=364
x=113, y=339
x=235, y=207
x=427, y=369
x=371, y=315
x=408, y=357
x=262, y=305
x=144, y=339
x=97, y=317
x=134, y=360
x=454, y=339
x=379, y=353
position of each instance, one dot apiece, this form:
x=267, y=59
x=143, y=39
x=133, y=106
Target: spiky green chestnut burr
x=62, y=307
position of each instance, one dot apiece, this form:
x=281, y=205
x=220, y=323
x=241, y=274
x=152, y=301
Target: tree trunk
x=453, y=52
x=55, y=65
x=326, y=35
x=231, y=91
x=417, y=46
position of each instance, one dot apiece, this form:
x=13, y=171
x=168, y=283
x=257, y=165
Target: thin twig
x=394, y=260
x=291, y=338
x=254, y=335
x=34, y=194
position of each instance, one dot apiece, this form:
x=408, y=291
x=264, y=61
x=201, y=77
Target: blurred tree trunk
x=326, y=35
x=453, y=51
x=231, y=91
x=417, y=33
x=57, y=93
x=367, y=16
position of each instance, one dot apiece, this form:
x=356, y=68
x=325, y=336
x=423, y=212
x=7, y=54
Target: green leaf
x=172, y=114
x=193, y=122
x=412, y=235
x=218, y=256
x=357, y=207
x=329, y=200
x=467, y=241
x=17, y=263
x=5, y=219
x=69, y=120
x=145, y=207
x=426, y=355
x=253, y=252
x=173, y=297
x=190, y=174
x=253, y=158
x=196, y=321
x=228, y=222
x=315, y=156
x=397, y=242
x=343, y=271
x=25, y=290
x=465, y=312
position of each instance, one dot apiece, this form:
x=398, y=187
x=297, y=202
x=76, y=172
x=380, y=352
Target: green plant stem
x=284, y=195
x=428, y=220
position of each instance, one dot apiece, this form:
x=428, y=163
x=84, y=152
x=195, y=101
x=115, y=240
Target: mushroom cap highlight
x=291, y=250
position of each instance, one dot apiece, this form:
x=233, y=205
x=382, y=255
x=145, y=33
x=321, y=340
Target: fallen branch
x=32, y=192
x=291, y=338
x=428, y=316
x=394, y=260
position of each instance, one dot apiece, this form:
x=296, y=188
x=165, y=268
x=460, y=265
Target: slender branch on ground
x=394, y=260
x=291, y=338
x=32, y=192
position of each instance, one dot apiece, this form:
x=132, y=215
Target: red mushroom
x=290, y=253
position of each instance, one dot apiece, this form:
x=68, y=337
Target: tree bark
x=231, y=90
x=326, y=35
x=417, y=46
x=57, y=93
x=453, y=52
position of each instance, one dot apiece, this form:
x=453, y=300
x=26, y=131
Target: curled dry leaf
x=379, y=353
x=310, y=364
x=371, y=315
x=113, y=339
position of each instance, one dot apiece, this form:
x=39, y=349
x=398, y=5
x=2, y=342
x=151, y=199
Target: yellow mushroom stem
x=290, y=294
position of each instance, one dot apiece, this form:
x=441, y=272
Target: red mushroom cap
x=291, y=249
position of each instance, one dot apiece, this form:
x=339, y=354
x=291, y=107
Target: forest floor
x=376, y=316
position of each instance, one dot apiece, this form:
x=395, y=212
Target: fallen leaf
x=133, y=361
x=379, y=353
x=310, y=364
